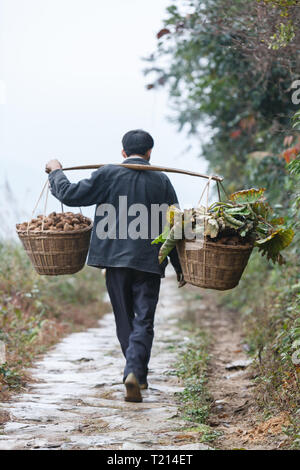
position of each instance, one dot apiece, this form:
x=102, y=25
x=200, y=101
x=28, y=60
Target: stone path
x=75, y=400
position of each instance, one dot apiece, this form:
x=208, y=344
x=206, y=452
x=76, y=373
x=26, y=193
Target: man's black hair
x=137, y=142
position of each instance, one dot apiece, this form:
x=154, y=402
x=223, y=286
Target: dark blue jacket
x=105, y=186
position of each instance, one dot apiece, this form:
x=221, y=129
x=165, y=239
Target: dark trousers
x=134, y=296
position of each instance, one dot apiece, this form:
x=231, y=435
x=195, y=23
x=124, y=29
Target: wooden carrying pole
x=146, y=168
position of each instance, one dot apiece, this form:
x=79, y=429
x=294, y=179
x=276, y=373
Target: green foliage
x=277, y=241
x=191, y=368
x=285, y=31
x=284, y=35
x=10, y=376
x=283, y=5
x=213, y=78
x=296, y=119
x=204, y=433
x=294, y=167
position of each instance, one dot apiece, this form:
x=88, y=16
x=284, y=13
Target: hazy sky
x=71, y=84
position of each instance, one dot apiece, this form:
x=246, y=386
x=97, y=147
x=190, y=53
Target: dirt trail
x=235, y=412
x=75, y=400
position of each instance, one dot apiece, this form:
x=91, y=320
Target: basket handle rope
x=204, y=238
x=220, y=184
x=37, y=203
x=46, y=185
x=45, y=206
x=206, y=189
x=62, y=208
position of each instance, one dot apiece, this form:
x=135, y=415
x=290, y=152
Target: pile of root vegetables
x=56, y=222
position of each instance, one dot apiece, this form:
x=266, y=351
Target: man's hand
x=180, y=280
x=53, y=165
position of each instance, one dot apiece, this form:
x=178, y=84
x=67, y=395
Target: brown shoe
x=133, y=390
x=144, y=386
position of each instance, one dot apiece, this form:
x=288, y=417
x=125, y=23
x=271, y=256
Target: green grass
x=206, y=433
x=191, y=367
x=195, y=400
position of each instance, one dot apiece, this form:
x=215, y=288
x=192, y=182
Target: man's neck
x=137, y=156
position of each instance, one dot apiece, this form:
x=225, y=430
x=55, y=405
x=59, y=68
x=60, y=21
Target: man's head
x=137, y=142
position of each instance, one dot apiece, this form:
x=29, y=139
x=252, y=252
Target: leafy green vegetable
x=163, y=236
x=245, y=215
x=168, y=245
x=275, y=242
x=172, y=214
x=211, y=228
x=262, y=209
x=248, y=195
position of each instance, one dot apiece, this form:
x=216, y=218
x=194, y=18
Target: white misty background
x=72, y=84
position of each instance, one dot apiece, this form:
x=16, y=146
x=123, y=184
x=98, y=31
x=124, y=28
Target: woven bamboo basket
x=56, y=253
x=211, y=265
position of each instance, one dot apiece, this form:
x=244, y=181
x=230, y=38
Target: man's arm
x=86, y=192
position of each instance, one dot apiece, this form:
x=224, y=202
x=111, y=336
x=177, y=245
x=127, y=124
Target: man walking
x=121, y=243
